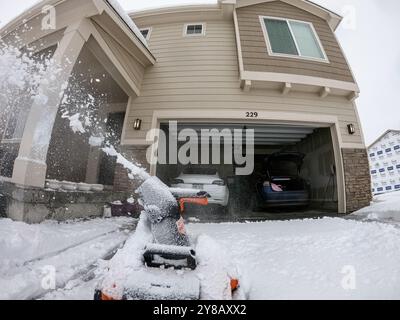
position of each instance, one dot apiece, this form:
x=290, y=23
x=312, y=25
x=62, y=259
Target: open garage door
x=294, y=170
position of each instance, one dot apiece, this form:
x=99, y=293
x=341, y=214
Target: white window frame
x=269, y=47
x=203, y=31
x=150, y=29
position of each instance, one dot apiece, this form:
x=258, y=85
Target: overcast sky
x=369, y=35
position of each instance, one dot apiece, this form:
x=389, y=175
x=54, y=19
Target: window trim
x=273, y=54
x=202, y=34
x=148, y=34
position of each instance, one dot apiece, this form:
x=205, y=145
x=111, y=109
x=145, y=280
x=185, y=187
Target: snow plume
x=81, y=106
x=133, y=169
x=21, y=73
x=75, y=124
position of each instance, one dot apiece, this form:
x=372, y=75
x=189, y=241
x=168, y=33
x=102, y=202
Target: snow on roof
x=129, y=22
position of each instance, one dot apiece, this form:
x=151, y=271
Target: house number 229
x=251, y=114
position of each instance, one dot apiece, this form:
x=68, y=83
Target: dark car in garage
x=283, y=186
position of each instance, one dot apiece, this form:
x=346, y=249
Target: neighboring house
x=275, y=66
x=384, y=161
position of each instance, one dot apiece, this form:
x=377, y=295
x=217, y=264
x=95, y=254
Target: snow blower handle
x=201, y=201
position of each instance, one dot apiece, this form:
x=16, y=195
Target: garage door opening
x=294, y=173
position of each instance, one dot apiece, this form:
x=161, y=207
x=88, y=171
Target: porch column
x=30, y=167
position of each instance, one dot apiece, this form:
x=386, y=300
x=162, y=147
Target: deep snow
x=309, y=259
x=28, y=251
x=329, y=258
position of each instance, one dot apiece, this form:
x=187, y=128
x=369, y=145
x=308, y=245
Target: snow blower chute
x=167, y=267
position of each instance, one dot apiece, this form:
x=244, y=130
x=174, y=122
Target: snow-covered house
x=384, y=160
x=272, y=66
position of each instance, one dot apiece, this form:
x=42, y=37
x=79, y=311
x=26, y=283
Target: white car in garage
x=204, y=179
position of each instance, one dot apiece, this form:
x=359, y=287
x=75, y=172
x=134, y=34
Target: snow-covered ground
x=329, y=258
x=312, y=259
x=35, y=256
x=385, y=207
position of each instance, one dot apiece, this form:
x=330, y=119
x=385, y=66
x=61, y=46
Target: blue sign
x=381, y=170
x=390, y=168
x=380, y=152
x=389, y=188
x=388, y=150
x=380, y=189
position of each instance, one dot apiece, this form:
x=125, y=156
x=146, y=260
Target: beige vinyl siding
x=254, y=49
x=201, y=73
x=132, y=66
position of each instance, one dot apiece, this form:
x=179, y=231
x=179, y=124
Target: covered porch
x=48, y=168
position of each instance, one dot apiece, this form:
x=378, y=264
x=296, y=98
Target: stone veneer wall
x=136, y=155
x=357, y=179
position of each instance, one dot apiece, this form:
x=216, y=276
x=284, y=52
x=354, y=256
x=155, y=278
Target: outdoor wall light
x=351, y=128
x=137, y=124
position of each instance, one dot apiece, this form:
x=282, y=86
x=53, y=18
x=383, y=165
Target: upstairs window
x=146, y=33
x=195, y=29
x=293, y=39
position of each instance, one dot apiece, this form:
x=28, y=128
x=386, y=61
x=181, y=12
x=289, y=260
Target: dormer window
x=146, y=33
x=292, y=39
x=195, y=29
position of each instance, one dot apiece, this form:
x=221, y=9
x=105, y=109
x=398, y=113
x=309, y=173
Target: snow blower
x=159, y=262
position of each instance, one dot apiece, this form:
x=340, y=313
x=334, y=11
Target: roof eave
x=36, y=10
x=27, y=15
x=173, y=9
x=330, y=16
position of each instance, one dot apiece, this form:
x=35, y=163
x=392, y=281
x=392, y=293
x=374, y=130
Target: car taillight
x=218, y=183
x=177, y=181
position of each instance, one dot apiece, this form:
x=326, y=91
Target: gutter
x=116, y=11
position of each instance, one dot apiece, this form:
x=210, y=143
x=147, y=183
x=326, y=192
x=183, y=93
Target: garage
x=293, y=172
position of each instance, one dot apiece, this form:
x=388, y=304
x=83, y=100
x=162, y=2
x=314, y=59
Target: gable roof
x=36, y=9
x=381, y=136
x=331, y=17
x=127, y=20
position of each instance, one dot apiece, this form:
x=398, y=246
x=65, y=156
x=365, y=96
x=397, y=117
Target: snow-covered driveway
x=314, y=259
x=329, y=258
x=31, y=255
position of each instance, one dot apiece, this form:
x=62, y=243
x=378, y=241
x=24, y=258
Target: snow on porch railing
x=73, y=186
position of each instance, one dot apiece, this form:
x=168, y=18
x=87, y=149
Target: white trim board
x=300, y=79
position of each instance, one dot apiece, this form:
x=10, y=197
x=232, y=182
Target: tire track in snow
x=58, y=252
x=84, y=275
x=88, y=274
x=26, y=282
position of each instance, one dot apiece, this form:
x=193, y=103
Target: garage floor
x=218, y=214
